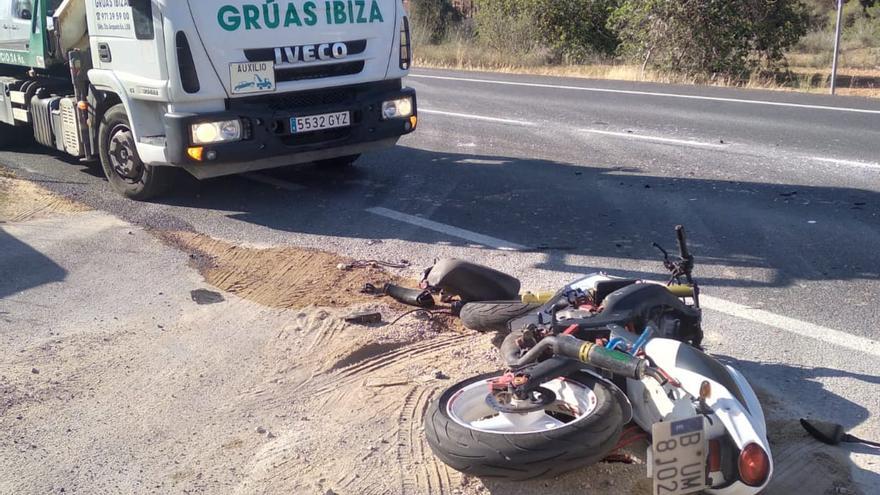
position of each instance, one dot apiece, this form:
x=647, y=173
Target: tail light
x=754, y=465
x=714, y=456
x=405, y=45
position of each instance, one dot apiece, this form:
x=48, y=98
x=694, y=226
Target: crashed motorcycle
x=584, y=362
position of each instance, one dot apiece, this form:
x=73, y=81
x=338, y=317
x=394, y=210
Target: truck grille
x=304, y=99
x=319, y=71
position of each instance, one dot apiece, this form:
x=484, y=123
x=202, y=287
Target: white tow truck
x=215, y=87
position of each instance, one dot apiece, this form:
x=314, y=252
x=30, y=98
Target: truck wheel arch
x=145, y=116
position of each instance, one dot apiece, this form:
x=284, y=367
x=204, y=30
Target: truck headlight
x=216, y=132
x=400, y=108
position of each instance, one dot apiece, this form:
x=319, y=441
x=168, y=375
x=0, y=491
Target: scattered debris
x=261, y=430
x=204, y=296
x=372, y=264
x=440, y=375
x=364, y=318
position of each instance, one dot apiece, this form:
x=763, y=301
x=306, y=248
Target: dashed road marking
x=478, y=117
x=467, y=235
x=657, y=139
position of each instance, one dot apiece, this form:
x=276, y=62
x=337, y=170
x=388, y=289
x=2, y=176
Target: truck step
x=17, y=97
x=21, y=115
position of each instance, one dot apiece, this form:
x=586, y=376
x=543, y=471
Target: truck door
x=16, y=16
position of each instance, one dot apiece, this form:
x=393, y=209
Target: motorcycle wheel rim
x=574, y=402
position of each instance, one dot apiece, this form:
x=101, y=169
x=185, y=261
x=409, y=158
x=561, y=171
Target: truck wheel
x=339, y=162
x=123, y=167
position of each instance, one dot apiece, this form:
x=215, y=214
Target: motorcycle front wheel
x=581, y=427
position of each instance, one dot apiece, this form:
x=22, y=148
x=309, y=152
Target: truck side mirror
x=22, y=10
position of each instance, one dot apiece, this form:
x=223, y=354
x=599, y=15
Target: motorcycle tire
x=493, y=316
x=523, y=455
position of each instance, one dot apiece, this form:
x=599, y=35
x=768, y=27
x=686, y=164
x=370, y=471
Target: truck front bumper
x=268, y=141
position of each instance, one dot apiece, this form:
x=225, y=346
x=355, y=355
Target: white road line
x=656, y=139
x=848, y=163
x=272, y=181
x=643, y=137
x=478, y=117
x=791, y=325
x=467, y=235
x=626, y=135
x=650, y=93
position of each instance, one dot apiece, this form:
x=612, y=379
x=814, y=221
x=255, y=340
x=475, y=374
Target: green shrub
x=432, y=20
x=568, y=30
x=729, y=38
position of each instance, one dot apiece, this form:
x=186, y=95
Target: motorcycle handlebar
x=573, y=348
x=682, y=242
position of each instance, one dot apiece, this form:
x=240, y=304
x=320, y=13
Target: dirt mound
x=22, y=200
x=286, y=277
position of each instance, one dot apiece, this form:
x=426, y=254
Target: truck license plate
x=679, y=451
x=311, y=123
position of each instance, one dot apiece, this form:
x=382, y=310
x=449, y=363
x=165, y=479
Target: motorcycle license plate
x=312, y=123
x=679, y=450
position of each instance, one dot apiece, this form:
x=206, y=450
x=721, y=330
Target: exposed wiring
x=672, y=381
x=431, y=314
x=613, y=342
x=643, y=338
x=571, y=329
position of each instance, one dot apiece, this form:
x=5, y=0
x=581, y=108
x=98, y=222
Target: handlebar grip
x=682, y=242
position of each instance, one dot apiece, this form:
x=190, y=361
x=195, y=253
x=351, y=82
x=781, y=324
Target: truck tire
x=123, y=167
x=338, y=163
x=493, y=316
x=458, y=432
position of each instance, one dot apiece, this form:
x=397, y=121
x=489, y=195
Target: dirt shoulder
x=21, y=200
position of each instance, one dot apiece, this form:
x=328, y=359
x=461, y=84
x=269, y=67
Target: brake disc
x=506, y=402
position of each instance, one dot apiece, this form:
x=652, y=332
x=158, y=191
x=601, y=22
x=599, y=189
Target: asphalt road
x=548, y=178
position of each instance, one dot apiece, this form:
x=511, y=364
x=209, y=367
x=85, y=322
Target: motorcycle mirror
x=829, y=433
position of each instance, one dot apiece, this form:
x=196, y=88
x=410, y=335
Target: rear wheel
x=491, y=316
x=340, y=162
x=580, y=427
x=125, y=171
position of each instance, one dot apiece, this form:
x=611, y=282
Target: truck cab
x=214, y=87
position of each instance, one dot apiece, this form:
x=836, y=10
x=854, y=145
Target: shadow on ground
x=22, y=267
x=562, y=209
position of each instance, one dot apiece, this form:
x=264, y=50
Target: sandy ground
x=115, y=379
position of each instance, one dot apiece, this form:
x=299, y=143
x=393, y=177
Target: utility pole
x=836, y=46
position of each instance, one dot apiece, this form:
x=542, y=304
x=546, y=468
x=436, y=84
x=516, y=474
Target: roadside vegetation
x=782, y=44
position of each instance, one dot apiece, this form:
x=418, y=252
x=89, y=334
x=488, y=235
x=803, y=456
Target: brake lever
x=669, y=264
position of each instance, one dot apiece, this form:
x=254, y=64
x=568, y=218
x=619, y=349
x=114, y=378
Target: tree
x=709, y=37
x=572, y=30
